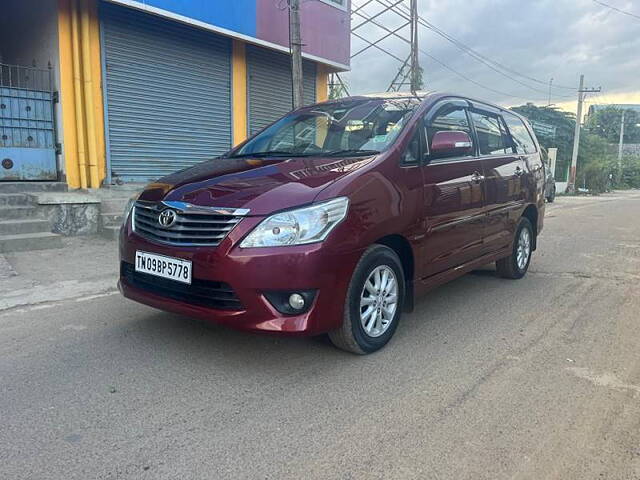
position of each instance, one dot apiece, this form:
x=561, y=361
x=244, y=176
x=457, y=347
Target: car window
x=491, y=139
x=304, y=135
x=411, y=155
x=350, y=125
x=448, y=118
x=520, y=135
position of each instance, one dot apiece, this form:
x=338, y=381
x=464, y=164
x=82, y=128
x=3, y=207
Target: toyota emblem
x=167, y=218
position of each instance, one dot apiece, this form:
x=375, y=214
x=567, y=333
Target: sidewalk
x=84, y=267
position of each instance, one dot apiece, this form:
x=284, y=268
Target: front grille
x=218, y=295
x=193, y=225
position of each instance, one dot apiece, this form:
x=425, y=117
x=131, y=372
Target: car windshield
x=350, y=128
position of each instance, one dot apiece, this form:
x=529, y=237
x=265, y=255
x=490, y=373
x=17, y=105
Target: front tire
x=515, y=266
x=374, y=302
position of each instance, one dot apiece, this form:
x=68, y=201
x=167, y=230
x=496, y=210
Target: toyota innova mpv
x=336, y=217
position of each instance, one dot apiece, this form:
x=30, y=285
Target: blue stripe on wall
x=236, y=15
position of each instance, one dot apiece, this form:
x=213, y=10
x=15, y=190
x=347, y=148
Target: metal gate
x=167, y=94
x=27, y=125
x=269, y=85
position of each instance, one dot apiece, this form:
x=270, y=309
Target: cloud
x=538, y=38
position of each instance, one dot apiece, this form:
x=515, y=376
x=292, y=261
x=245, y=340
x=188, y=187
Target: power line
x=616, y=9
x=492, y=64
x=440, y=62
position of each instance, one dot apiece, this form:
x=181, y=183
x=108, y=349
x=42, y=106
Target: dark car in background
x=335, y=217
x=550, y=181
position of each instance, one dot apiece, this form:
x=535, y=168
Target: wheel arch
x=401, y=246
x=531, y=213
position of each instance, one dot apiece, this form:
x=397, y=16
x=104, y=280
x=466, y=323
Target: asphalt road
x=487, y=379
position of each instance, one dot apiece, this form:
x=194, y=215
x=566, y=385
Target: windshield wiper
x=354, y=152
x=271, y=153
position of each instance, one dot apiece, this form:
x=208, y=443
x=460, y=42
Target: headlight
x=298, y=227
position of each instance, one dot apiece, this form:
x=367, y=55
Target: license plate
x=163, y=266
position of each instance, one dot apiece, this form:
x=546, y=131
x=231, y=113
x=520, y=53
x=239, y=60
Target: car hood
x=261, y=185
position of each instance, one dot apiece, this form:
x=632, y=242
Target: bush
x=630, y=172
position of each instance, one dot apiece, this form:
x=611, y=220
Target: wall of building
x=29, y=37
x=325, y=27
x=82, y=90
x=28, y=33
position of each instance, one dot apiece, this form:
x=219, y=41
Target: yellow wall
x=322, y=84
x=239, y=87
x=90, y=81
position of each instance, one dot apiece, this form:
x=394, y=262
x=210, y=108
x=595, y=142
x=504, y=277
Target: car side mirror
x=450, y=142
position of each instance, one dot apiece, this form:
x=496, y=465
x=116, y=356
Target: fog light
x=290, y=302
x=296, y=301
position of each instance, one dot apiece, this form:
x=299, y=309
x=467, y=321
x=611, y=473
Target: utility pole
x=416, y=74
x=409, y=72
x=571, y=186
x=620, y=143
x=295, y=46
x=550, y=85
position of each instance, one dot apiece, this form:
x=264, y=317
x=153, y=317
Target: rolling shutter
x=269, y=86
x=168, y=94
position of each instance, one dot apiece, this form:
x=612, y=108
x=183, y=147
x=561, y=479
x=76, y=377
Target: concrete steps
x=110, y=232
x=13, y=199
x=20, y=212
x=22, y=226
x=30, y=210
x=21, y=187
x=111, y=210
x=30, y=225
x=29, y=241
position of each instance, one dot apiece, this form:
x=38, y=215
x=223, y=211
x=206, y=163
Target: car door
x=453, y=194
x=503, y=170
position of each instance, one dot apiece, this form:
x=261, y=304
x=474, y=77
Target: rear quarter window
x=522, y=140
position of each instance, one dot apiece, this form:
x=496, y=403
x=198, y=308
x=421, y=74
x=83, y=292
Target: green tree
x=597, y=163
x=606, y=124
x=597, y=157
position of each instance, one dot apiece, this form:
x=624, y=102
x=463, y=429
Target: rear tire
x=515, y=266
x=374, y=302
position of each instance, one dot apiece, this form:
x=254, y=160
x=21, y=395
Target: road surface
x=487, y=379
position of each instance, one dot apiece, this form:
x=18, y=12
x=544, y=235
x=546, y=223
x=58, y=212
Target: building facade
x=125, y=91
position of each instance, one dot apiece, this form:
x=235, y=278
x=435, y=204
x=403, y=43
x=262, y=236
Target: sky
x=540, y=39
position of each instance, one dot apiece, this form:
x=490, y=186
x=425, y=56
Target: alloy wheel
x=379, y=301
x=523, y=249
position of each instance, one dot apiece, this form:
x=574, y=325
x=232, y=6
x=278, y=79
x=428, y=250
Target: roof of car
x=396, y=95
x=422, y=94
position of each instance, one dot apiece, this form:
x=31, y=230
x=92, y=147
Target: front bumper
x=322, y=267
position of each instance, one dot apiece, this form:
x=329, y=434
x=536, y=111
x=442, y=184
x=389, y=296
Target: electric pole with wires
x=410, y=70
x=582, y=93
x=409, y=74
x=620, y=148
x=295, y=46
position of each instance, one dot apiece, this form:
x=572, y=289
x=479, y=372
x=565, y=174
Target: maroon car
x=335, y=217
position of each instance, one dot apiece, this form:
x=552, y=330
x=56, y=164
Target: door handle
x=476, y=177
x=519, y=172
